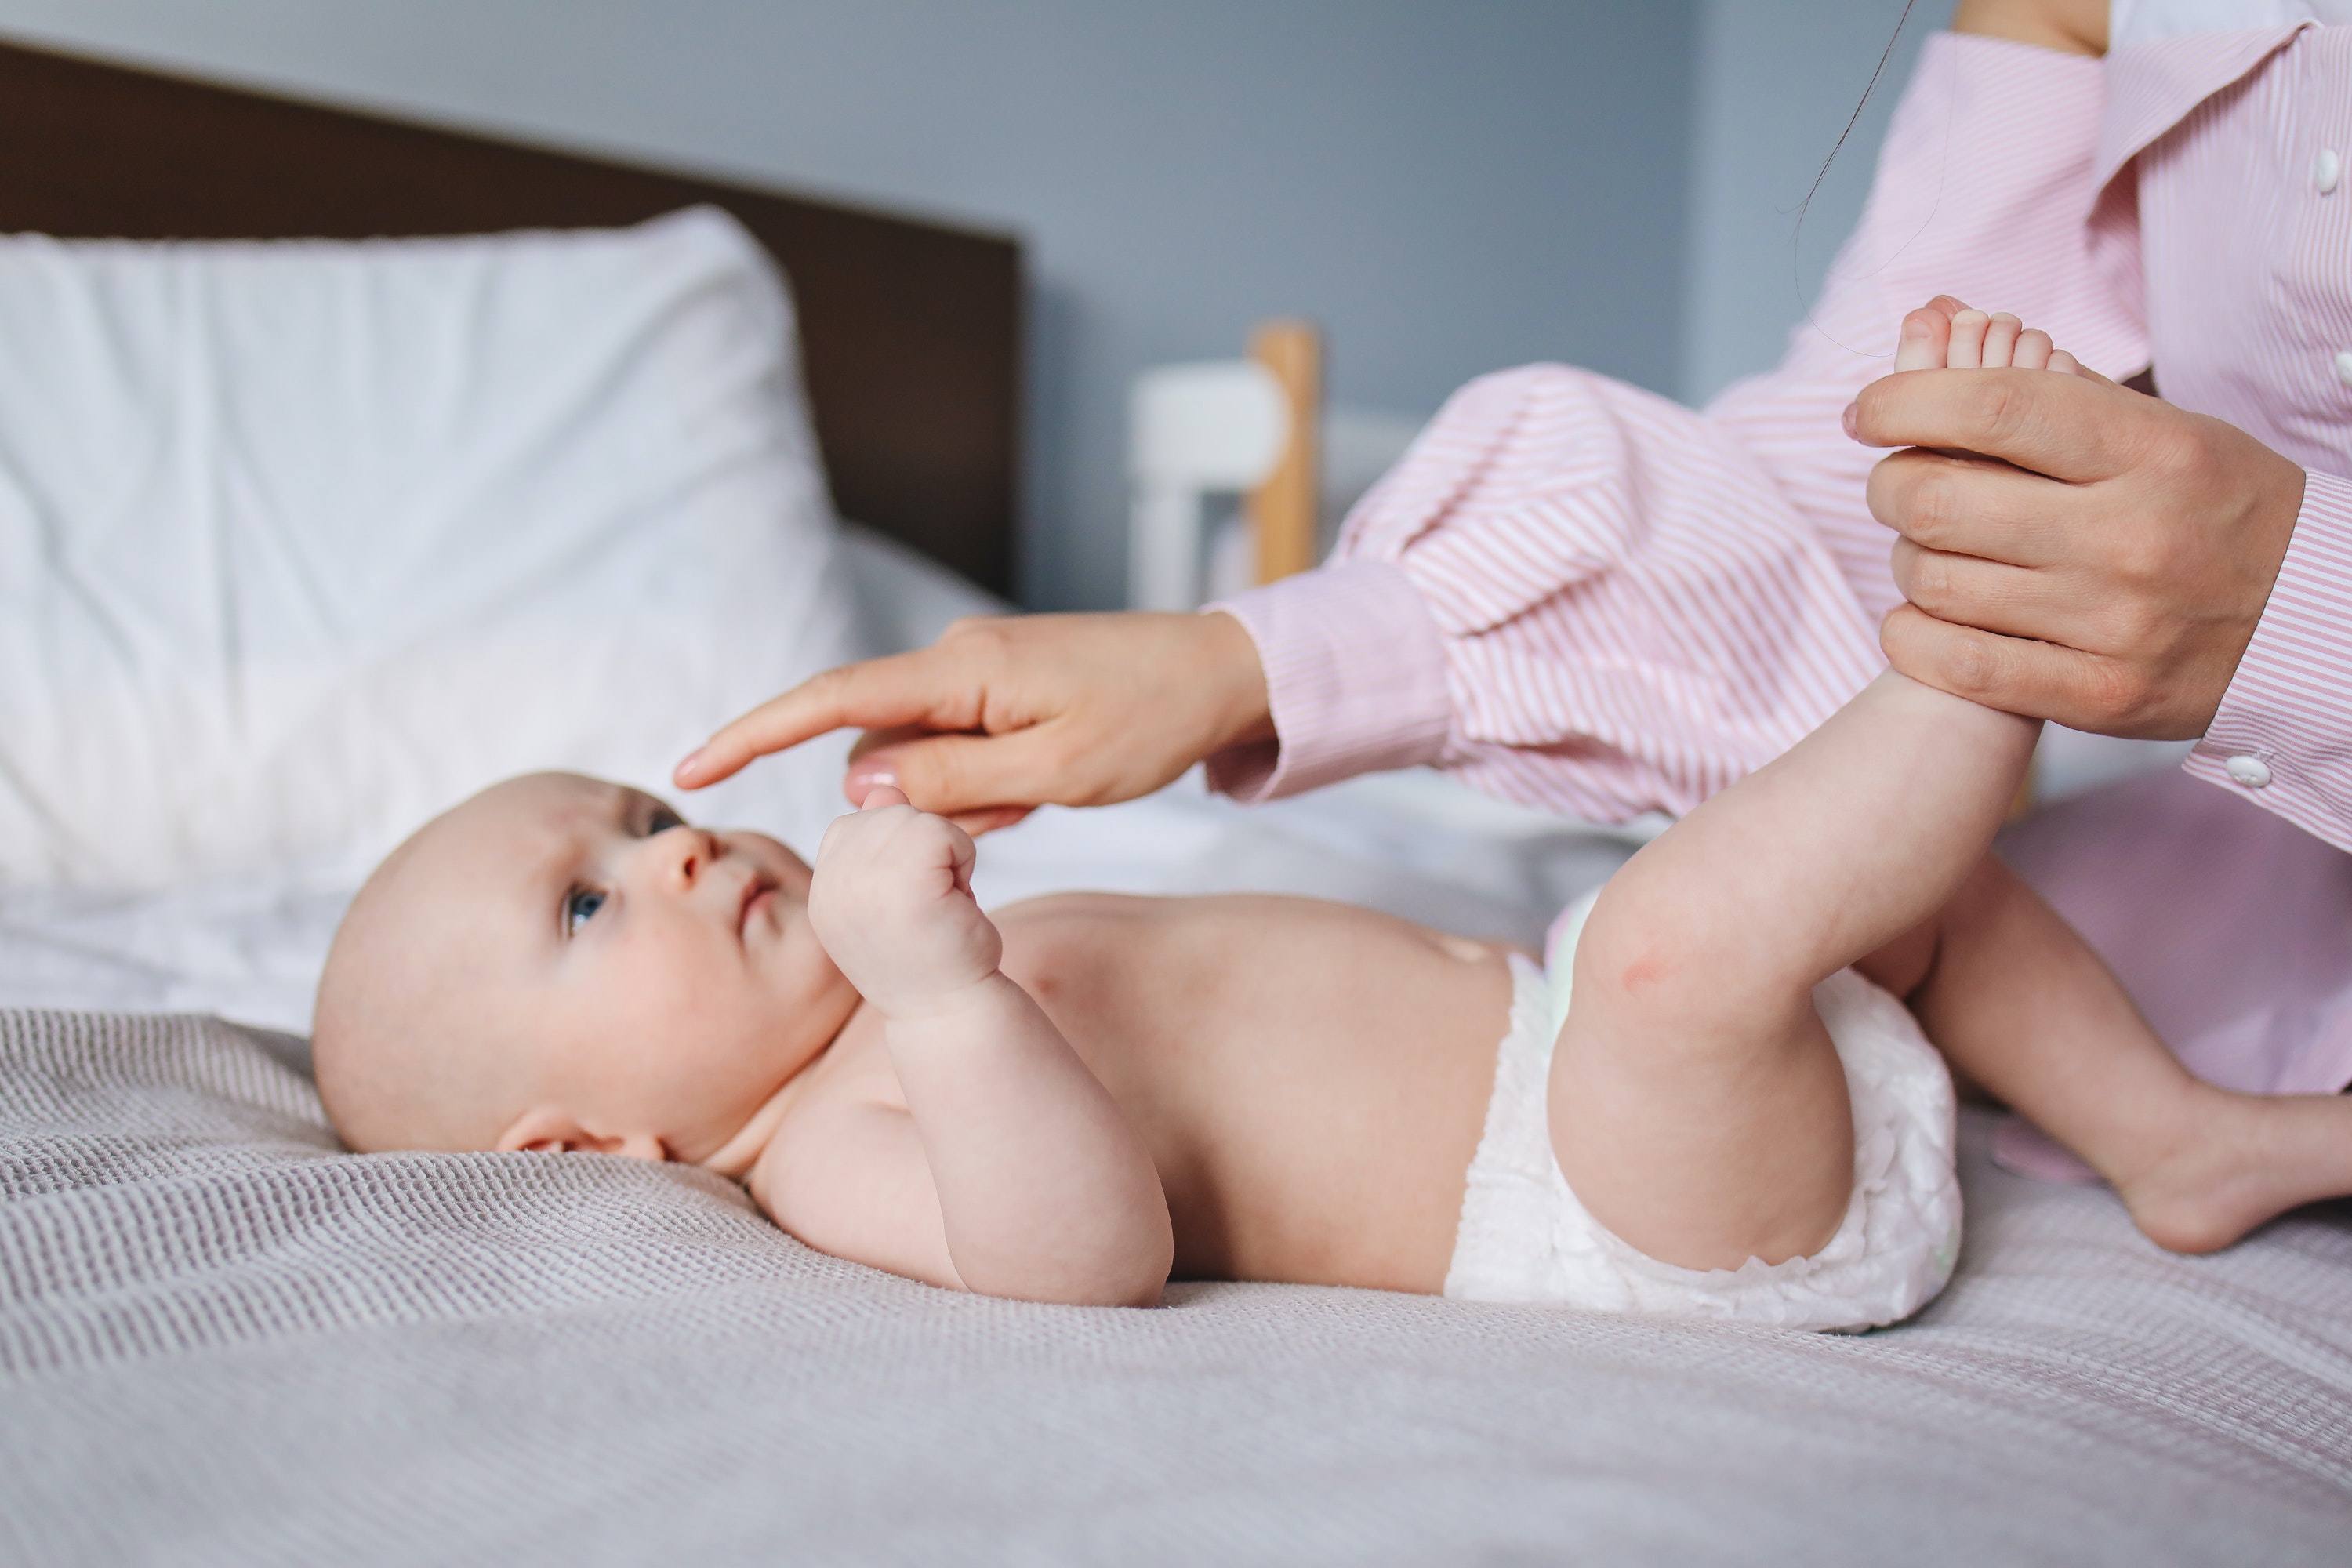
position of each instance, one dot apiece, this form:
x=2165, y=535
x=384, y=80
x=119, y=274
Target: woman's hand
x=2103, y=563
x=999, y=716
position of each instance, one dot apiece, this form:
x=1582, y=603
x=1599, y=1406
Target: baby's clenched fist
x=891, y=901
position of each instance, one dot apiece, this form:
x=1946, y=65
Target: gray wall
x=1776, y=81
x=1449, y=187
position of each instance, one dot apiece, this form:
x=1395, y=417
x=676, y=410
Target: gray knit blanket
x=223, y=1341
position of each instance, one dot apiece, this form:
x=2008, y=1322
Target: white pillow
x=302, y=541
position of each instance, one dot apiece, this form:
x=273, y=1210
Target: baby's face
x=653, y=981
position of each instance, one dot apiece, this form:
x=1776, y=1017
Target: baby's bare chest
x=1310, y=1079
x=1183, y=1006
x=1212, y=1019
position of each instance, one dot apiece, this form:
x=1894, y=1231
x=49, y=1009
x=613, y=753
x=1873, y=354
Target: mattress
x=222, y=1340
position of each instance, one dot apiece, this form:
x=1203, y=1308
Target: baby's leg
x=2016, y=1000
x=1697, y=1105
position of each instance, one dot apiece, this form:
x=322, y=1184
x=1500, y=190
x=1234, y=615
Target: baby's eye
x=662, y=820
x=580, y=907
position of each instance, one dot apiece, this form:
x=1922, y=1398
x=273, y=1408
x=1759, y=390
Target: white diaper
x=1524, y=1237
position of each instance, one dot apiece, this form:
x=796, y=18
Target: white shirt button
x=2251, y=772
x=2325, y=170
x=2344, y=366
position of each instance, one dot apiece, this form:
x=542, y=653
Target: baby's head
x=563, y=962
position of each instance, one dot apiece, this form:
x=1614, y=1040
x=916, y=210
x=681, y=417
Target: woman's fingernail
x=881, y=777
x=688, y=764
x=1851, y=420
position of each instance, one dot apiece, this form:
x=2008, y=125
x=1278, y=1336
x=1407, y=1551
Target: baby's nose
x=688, y=852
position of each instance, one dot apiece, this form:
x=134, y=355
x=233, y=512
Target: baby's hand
x=891, y=901
x=1945, y=334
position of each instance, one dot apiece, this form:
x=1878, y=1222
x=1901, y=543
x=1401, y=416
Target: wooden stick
x=1282, y=511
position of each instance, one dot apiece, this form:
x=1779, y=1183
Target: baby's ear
x=547, y=1129
x=542, y=1128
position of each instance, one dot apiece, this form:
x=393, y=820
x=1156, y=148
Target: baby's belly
x=1312, y=1079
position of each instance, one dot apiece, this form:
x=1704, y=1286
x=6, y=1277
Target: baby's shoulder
x=835, y=1109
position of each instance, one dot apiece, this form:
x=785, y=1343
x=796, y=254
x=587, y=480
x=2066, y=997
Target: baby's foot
x=2244, y=1159
x=1945, y=334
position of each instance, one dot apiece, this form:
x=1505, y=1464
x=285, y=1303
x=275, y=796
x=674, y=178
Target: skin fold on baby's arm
x=1010, y=1171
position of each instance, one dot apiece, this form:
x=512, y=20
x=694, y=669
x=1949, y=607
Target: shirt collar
x=2152, y=87
x=2131, y=22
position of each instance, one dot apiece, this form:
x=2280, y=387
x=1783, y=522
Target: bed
x=224, y=1340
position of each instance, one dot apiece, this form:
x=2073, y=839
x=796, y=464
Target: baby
x=1713, y=1105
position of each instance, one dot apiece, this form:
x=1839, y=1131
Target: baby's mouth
x=756, y=892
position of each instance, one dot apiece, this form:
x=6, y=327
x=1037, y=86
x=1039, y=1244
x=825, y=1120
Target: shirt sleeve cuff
x=2282, y=735
x=1355, y=680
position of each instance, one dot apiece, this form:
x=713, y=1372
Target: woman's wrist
x=1244, y=713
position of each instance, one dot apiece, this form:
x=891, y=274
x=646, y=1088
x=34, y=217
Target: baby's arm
x=1045, y=1190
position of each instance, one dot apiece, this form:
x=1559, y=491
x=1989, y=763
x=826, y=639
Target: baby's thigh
x=1700, y=1135
x=1901, y=966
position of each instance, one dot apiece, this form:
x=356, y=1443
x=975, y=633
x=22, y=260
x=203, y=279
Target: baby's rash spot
x=1644, y=971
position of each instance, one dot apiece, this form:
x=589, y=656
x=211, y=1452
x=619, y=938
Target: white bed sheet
x=1413, y=843
x=250, y=951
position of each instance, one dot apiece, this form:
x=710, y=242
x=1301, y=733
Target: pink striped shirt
x=2245, y=268
x=1585, y=598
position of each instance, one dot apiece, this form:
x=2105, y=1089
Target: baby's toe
x=2002, y=331
x=1967, y=350
x=1920, y=344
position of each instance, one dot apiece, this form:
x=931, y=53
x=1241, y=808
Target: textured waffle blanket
x=223, y=1341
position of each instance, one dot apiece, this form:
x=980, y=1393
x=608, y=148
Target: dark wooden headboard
x=910, y=332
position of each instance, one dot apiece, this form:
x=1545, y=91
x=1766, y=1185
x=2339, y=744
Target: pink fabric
x=1354, y=659
x=2249, y=302
x=1987, y=175
x=1633, y=605
x=1605, y=642
x=1637, y=605
x=2230, y=927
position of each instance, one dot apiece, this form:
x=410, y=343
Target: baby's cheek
x=693, y=1046
x=646, y=1000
